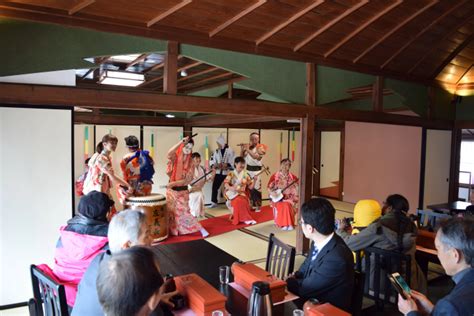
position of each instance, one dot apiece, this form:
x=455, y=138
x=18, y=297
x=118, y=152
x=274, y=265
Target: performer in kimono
x=253, y=154
x=180, y=171
x=137, y=167
x=284, y=198
x=236, y=184
x=196, y=196
x=222, y=160
x=101, y=175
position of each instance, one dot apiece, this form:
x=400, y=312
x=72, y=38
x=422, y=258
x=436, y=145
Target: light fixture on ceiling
x=293, y=121
x=120, y=78
x=183, y=73
x=124, y=58
x=170, y=115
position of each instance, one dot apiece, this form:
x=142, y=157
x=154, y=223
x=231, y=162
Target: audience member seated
x=393, y=231
x=130, y=283
x=127, y=228
x=328, y=272
x=81, y=240
x=455, y=244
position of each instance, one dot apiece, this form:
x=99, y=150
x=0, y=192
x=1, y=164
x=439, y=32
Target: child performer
x=284, y=208
x=236, y=183
x=196, y=196
x=180, y=171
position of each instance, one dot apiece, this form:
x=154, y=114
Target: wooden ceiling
x=198, y=75
x=418, y=40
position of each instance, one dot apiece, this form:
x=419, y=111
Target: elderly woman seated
x=84, y=236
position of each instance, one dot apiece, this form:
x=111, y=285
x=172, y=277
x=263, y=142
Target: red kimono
x=284, y=210
x=240, y=203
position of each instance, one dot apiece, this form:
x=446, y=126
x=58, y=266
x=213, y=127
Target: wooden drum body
x=154, y=208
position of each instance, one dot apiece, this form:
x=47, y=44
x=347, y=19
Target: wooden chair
x=280, y=258
x=427, y=219
x=377, y=264
x=47, y=294
x=358, y=294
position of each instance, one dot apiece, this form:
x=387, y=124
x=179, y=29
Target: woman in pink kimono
x=180, y=171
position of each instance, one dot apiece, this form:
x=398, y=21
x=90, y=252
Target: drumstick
x=193, y=135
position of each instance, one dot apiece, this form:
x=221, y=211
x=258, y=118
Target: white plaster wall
x=58, y=78
x=35, y=193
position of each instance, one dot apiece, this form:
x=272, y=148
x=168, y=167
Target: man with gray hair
x=126, y=229
x=455, y=244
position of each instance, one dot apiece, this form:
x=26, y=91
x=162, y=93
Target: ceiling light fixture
x=120, y=78
x=183, y=73
x=170, y=115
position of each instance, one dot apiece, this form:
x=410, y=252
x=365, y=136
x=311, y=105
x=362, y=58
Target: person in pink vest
x=81, y=240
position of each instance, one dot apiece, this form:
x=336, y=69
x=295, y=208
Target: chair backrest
x=377, y=264
x=280, y=258
x=358, y=294
x=427, y=218
x=47, y=293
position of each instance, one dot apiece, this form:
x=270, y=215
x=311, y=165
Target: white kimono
x=196, y=198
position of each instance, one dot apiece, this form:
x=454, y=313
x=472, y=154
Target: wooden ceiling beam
x=464, y=74
x=234, y=19
x=168, y=12
x=287, y=22
x=190, y=65
x=136, y=60
x=204, y=80
x=423, y=31
x=199, y=73
x=148, y=82
x=154, y=67
x=81, y=5
x=438, y=43
x=329, y=25
x=192, y=37
x=453, y=54
x=87, y=73
x=362, y=27
x=219, y=120
x=395, y=29
x=170, y=72
x=102, y=119
x=377, y=94
x=213, y=85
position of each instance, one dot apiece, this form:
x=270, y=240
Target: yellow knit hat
x=365, y=212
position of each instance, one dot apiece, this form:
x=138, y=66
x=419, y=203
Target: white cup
x=298, y=312
x=217, y=313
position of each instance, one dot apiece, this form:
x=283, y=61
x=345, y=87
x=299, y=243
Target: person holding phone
x=455, y=245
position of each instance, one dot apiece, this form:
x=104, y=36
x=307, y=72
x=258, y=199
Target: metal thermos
x=260, y=301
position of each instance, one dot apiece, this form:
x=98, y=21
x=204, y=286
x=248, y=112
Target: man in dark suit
x=455, y=244
x=328, y=272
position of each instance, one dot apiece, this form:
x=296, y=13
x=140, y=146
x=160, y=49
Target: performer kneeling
x=196, y=196
x=236, y=184
x=283, y=190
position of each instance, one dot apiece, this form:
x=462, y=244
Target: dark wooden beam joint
x=377, y=94
x=170, y=80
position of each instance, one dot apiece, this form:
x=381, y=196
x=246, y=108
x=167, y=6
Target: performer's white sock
x=252, y=222
x=204, y=232
x=289, y=228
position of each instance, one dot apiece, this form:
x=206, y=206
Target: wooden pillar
x=456, y=139
x=230, y=90
x=170, y=72
x=377, y=94
x=307, y=128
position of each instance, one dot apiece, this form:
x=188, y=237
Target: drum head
x=152, y=199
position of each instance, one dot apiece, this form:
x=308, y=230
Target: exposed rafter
x=168, y=12
x=442, y=40
x=465, y=73
x=329, y=25
x=204, y=80
x=202, y=72
x=287, y=22
x=148, y=82
x=216, y=84
x=237, y=17
x=395, y=29
x=81, y=5
x=362, y=27
x=87, y=73
x=136, y=60
x=190, y=65
x=451, y=56
x=423, y=31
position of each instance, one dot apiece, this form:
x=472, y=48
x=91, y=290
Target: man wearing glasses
x=328, y=272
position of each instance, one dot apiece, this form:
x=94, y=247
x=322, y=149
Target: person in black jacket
x=327, y=274
x=455, y=245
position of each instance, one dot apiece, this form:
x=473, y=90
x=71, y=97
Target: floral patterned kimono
x=240, y=203
x=182, y=222
x=284, y=210
x=130, y=166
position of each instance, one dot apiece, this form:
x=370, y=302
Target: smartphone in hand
x=400, y=284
